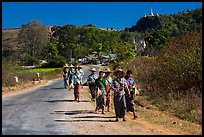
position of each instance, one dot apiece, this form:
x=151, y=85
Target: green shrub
x=31, y=61
x=56, y=62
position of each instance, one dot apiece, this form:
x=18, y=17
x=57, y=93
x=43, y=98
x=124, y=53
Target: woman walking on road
x=65, y=76
x=81, y=71
x=77, y=81
x=91, y=82
x=70, y=73
x=109, y=81
x=101, y=98
x=130, y=99
x=119, y=86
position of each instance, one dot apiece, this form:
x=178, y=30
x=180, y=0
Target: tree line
x=35, y=42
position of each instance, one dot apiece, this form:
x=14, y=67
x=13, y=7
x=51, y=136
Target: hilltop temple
x=151, y=14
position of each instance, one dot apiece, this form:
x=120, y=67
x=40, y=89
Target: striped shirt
x=120, y=86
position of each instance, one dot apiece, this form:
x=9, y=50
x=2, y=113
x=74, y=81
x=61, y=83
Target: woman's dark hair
x=129, y=71
x=100, y=72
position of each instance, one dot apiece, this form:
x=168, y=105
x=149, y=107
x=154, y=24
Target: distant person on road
x=119, y=86
x=77, y=81
x=108, y=83
x=91, y=82
x=81, y=71
x=65, y=75
x=130, y=99
x=101, y=98
x=70, y=73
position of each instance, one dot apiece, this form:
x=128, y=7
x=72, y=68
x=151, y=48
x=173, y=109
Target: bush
x=32, y=61
x=179, y=65
x=57, y=62
x=8, y=73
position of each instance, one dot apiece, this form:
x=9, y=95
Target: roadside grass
x=37, y=70
x=27, y=75
x=44, y=73
x=187, y=107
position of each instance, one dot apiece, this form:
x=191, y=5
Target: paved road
x=33, y=112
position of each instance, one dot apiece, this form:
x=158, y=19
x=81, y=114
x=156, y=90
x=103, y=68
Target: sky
x=117, y=15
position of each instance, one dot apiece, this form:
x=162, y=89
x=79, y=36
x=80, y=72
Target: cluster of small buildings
x=94, y=58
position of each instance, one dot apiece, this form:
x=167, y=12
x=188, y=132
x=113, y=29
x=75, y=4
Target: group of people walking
x=101, y=85
x=123, y=87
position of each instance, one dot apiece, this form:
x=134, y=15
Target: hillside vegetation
x=156, y=30
x=173, y=79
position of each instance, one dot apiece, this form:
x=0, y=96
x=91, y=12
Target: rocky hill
x=175, y=24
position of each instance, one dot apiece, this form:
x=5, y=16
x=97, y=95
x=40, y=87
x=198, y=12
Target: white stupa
x=151, y=14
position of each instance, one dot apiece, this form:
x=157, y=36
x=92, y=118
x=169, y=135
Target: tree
x=51, y=49
x=157, y=39
x=33, y=37
x=7, y=48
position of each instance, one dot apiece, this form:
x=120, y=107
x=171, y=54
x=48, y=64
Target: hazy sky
x=118, y=15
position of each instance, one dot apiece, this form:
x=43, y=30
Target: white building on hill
x=151, y=14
